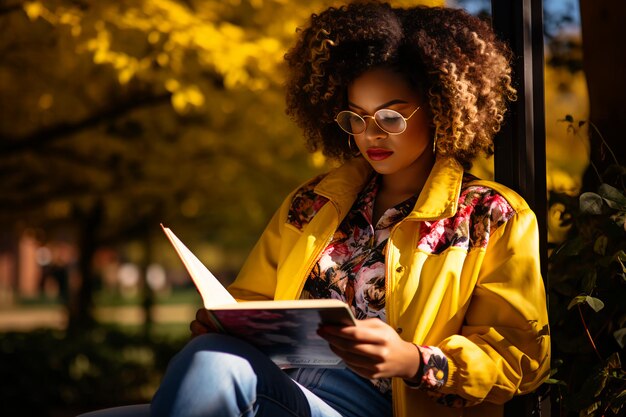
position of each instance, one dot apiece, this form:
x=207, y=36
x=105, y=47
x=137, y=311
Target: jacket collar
x=343, y=184
x=438, y=199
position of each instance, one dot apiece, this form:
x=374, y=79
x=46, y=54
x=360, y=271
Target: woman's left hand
x=373, y=349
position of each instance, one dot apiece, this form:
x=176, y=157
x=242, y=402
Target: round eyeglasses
x=389, y=121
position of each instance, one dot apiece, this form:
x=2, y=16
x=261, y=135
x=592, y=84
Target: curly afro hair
x=452, y=58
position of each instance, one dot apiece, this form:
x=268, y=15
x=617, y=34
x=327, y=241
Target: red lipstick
x=378, y=154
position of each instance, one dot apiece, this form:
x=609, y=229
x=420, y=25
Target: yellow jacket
x=484, y=308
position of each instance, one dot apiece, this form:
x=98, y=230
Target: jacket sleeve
x=257, y=278
x=504, y=346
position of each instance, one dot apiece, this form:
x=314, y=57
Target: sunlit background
x=116, y=117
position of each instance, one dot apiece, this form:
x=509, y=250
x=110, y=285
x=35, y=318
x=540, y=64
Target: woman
x=440, y=268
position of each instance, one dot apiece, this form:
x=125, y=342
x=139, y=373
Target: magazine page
x=287, y=336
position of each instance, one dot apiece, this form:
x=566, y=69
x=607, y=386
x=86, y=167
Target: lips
x=378, y=154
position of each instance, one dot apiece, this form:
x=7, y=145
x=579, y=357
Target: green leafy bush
x=587, y=302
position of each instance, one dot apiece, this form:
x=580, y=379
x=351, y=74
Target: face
x=400, y=154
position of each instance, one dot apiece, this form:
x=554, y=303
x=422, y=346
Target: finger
x=364, y=353
x=365, y=371
x=202, y=315
x=197, y=328
x=352, y=333
x=355, y=356
x=344, y=343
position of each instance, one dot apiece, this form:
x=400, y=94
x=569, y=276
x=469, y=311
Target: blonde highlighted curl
x=452, y=58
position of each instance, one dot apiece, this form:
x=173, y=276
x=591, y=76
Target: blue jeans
x=221, y=376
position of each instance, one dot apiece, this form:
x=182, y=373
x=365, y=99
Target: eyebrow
x=382, y=106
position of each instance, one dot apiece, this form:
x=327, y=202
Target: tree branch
x=50, y=134
x=11, y=8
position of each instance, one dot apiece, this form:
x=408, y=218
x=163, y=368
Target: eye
x=350, y=122
x=390, y=120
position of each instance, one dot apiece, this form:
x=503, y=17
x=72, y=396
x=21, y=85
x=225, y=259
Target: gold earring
x=354, y=152
x=435, y=145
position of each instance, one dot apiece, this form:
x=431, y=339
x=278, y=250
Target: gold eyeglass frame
x=406, y=119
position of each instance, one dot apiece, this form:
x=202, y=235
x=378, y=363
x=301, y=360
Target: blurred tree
x=604, y=63
x=117, y=116
x=604, y=69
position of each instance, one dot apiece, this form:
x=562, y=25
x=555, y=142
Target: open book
x=285, y=330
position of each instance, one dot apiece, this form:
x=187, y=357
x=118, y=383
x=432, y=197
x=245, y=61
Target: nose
x=372, y=130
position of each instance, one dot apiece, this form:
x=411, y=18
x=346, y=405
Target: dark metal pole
x=520, y=150
x=520, y=147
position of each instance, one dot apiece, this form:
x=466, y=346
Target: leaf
x=33, y=9
x=600, y=245
x=601, y=380
x=571, y=247
x=620, y=337
x=620, y=256
x=618, y=402
x=589, y=281
x=595, y=303
x=593, y=386
x=591, y=203
x=589, y=410
x=553, y=381
x=619, y=218
x=579, y=299
x=614, y=362
x=613, y=197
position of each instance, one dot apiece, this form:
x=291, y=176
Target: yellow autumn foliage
x=243, y=55
x=217, y=63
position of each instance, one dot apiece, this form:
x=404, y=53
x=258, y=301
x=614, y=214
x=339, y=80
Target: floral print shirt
x=352, y=267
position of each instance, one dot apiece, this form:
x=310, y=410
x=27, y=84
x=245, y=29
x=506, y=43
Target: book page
x=211, y=290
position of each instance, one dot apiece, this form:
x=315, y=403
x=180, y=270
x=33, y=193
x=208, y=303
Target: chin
x=384, y=169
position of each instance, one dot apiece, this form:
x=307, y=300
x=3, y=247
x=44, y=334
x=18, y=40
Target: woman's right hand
x=202, y=324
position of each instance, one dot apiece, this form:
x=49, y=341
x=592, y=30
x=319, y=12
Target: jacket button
x=399, y=269
x=399, y=330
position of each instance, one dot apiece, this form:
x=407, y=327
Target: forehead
x=379, y=86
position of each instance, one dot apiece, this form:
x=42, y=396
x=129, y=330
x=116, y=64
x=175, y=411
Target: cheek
x=419, y=135
x=359, y=140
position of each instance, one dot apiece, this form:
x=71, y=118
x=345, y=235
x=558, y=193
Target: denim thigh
x=216, y=375
x=343, y=390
